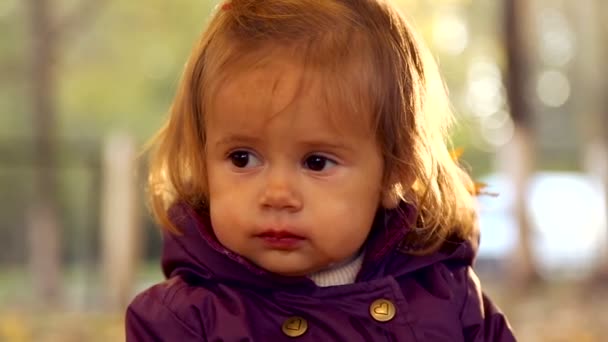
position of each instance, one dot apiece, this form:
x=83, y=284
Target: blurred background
x=84, y=84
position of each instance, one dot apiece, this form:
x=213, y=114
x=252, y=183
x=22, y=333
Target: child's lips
x=280, y=234
x=281, y=239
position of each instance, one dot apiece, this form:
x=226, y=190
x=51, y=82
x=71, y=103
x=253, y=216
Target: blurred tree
x=591, y=101
x=43, y=219
x=603, y=118
x=519, y=158
x=603, y=271
x=44, y=233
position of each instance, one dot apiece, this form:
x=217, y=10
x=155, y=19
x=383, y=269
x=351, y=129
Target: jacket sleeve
x=149, y=319
x=481, y=319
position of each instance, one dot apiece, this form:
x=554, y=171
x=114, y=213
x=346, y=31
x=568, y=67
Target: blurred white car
x=567, y=212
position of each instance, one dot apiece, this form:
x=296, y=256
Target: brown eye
x=318, y=163
x=243, y=159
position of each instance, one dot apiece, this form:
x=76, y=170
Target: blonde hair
x=371, y=60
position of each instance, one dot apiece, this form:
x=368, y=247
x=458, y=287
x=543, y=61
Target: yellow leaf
x=456, y=153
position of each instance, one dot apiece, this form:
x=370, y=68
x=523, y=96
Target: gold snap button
x=382, y=310
x=295, y=326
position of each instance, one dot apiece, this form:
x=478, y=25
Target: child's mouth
x=282, y=240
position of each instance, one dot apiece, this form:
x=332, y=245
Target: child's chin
x=288, y=271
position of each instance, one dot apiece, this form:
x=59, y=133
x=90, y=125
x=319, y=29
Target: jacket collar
x=196, y=255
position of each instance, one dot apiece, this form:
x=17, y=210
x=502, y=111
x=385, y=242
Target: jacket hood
x=197, y=256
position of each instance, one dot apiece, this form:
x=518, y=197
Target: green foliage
x=13, y=49
x=117, y=71
x=122, y=72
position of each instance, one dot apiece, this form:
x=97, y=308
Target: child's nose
x=280, y=193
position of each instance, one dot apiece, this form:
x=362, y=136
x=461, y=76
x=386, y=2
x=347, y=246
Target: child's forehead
x=271, y=87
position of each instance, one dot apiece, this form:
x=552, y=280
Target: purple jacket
x=214, y=295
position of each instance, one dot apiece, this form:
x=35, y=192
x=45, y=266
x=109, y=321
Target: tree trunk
x=603, y=269
x=520, y=152
x=44, y=234
x=120, y=225
x=602, y=115
x=592, y=113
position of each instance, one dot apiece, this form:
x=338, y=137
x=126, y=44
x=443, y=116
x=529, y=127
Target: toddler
x=306, y=188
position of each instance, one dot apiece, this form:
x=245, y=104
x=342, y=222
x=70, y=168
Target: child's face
x=289, y=189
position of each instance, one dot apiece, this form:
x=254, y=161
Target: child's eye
x=317, y=163
x=243, y=159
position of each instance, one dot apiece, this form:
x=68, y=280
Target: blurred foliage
x=61, y=327
x=122, y=72
x=117, y=71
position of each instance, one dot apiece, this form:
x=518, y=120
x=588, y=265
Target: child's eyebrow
x=316, y=144
x=237, y=139
x=322, y=145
